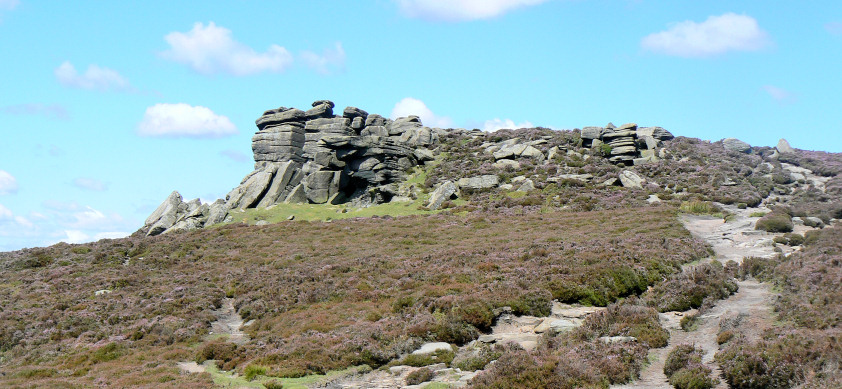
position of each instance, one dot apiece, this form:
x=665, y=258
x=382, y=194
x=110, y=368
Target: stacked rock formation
x=314, y=157
x=629, y=145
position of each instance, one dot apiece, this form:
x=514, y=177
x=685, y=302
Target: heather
x=692, y=288
x=582, y=358
x=685, y=370
x=804, y=350
x=323, y=296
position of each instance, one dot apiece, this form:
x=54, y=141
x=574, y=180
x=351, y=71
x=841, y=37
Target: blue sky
x=106, y=107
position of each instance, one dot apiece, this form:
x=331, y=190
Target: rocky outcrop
x=314, y=156
x=627, y=144
x=734, y=144
x=783, y=147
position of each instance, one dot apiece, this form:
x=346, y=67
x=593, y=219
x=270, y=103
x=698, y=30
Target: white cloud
x=90, y=184
x=99, y=78
x=8, y=183
x=5, y=213
x=498, y=124
x=411, y=106
x=52, y=111
x=779, y=94
x=8, y=5
x=211, y=49
x=75, y=236
x=331, y=59
x=111, y=235
x=716, y=35
x=461, y=10
x=185, y=120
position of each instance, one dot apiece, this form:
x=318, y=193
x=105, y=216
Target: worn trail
x=733, y=240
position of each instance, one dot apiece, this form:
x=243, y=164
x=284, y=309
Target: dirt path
x=228, y=322
x=733, y=240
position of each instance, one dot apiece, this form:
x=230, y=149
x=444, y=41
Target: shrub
x=794, y=239
x=724, y=336
x=685, y=370
x=775, y=222
x=689, y=322
x=418, y=376
x=252, y=371
x=420, y=360
x=700, y=207
x=274, y=384
x=681, y=356
x=690, y=288
x=533, y=303
x=219, y=351
x=478, y=359
x=696, y=376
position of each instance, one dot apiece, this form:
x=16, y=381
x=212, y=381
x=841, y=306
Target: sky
x=107, y=107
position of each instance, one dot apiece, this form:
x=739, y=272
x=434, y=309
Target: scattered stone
x=429, y=348
x=526, y=186
x=734, y=144
x=552, y=153
x=784, y=147
x=444, y=192
x=811, y=221
x=479, y=182
x=164, y=216
x=507, y=163
x=617, y=339
x=630, y=179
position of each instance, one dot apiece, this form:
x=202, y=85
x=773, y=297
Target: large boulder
x=478, y=182
x=630, y=179
x=287, y=176
x=734, y=144
x=217, y=211
x=444, y=192
x=322, y=185
x=401, y=125
x=165, y=215
x=592, y=132
x=655, y=132
x=282, y=115
x=784, y=147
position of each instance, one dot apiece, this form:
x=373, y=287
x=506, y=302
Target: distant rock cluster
x=313, y=156
x=627, y=144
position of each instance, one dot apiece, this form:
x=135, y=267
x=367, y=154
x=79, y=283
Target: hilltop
x=364, y=251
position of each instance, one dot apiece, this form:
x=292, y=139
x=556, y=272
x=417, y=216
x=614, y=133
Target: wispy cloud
x=212, y=49
x=8, y=5
x=716, y=35
x=50, y=111
x=834, y=28
x=235, y=155
x=779, y=94
x=95, y=77
x=61, y=222
x=412, y=106
x=8, y=183
x=184, y=120
x=499, y=124
x=330, y=61
x=460, y=10
x=90, y=184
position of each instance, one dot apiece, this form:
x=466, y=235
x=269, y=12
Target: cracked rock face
x=313, y=156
